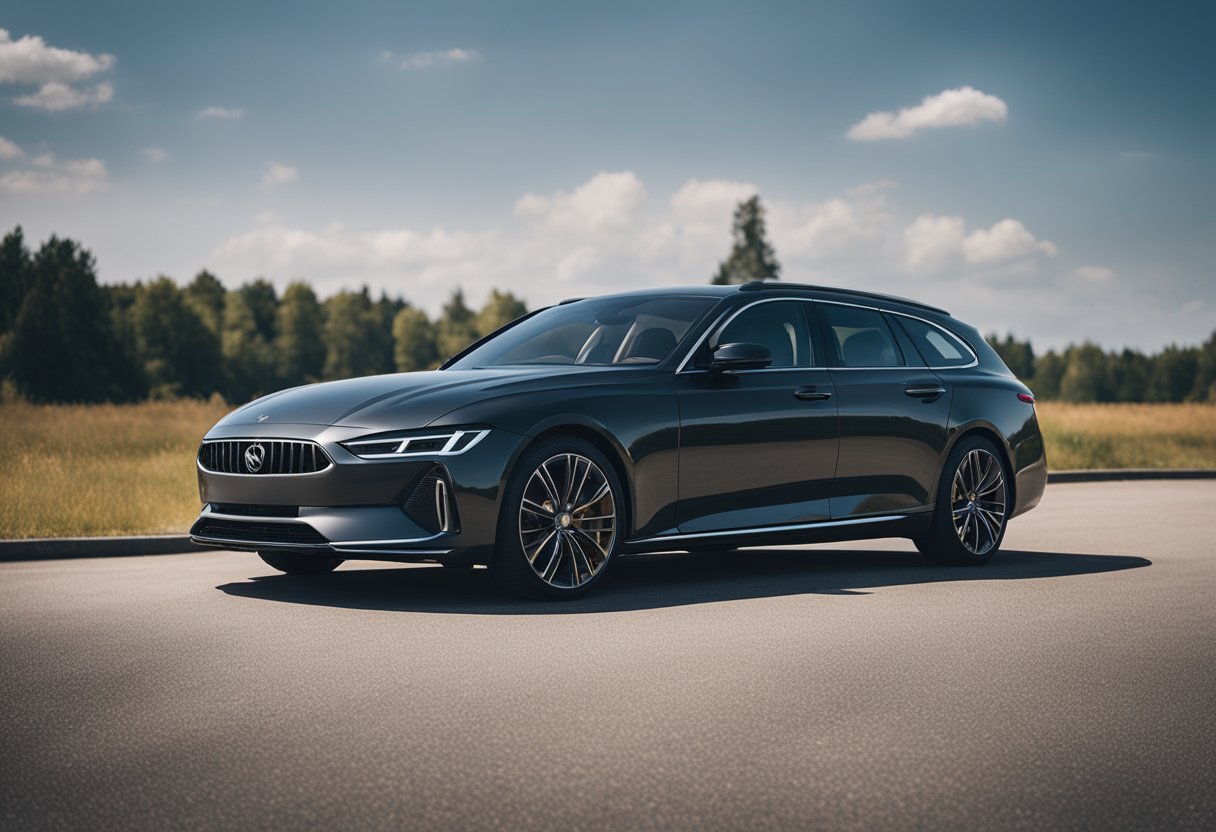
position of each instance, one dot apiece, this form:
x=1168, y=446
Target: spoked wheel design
x=977, y=501
x=567, y=520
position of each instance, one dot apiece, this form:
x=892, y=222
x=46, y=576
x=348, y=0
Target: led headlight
x=438, y=442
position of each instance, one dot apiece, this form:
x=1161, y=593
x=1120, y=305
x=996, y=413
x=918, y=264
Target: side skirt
x=828, y=531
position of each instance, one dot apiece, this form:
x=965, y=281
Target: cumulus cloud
x=51, y=176
x=440, y=57
x=29, y=60
x=9, y=150
x=1005, y=241
x=950, y=108
x=55, y=96
x=277, y=174
x=1094, y=275
x=935, y=242
x=156, y=155
x=607, y=201
x=223, y=113
x=605, y=235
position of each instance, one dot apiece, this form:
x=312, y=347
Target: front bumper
x=357, y=508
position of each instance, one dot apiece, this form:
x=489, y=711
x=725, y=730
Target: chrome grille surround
x=278, y=456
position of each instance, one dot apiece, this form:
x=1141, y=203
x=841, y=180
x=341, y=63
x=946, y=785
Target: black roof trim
x=766, y=285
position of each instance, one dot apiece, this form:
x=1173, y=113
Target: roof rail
x=763, y=285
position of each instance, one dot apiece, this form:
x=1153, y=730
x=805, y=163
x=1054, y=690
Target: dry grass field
x=1128, y=435
x=129, y=469
x=100, y=469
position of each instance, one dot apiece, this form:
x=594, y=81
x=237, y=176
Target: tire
x=562, y=521
x=973, y=505
x=293, y=564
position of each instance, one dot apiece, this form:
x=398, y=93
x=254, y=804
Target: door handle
x=925, y=391
x=810, y=394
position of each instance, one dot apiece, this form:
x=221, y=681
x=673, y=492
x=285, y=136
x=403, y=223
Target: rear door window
x=860, y=337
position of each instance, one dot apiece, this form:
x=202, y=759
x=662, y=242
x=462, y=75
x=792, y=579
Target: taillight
x=1026, y=397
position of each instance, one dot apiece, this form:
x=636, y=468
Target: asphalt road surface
x=1068, y=685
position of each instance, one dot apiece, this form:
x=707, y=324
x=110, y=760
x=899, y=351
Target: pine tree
x=752, y=256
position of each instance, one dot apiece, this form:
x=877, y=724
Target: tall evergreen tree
x=413, y=341
x=457, y=327
x=62, y=348
x=499, y=310
x=354, y=336
x=206, y=294
x=249, y=361
x=299, y=345
x=15, y=276
x=179, y=354
x=751, y=256
x=263, y=304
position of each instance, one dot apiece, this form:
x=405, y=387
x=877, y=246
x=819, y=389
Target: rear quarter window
x=938, y=347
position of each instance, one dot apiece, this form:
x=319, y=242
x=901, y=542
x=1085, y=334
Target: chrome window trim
x=664, y=538
x=726, y=317
x=403, y=453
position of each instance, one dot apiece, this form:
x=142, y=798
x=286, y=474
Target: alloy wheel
x=977, y=501
x=567, y=520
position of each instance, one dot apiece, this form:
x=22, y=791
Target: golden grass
x=101, y=469
x=1128, y=435
x=129, y=469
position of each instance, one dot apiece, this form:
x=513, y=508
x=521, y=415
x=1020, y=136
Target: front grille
x=257, y=532
x=276, y=456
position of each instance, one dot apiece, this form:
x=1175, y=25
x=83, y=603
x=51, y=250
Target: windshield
x=594, y=332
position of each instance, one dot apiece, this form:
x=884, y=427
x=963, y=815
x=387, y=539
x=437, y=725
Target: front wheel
x=562, y=521
x=294, y=564
x=972, y=506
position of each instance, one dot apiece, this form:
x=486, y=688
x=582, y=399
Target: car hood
x=401, y=400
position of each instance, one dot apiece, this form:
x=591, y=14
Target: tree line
x=1087, y=373
x=66, y=338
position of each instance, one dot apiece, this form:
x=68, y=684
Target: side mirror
x=740, y=357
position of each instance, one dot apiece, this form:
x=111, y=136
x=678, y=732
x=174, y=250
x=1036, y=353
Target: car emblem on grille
x=254, y=455
x=263, y=417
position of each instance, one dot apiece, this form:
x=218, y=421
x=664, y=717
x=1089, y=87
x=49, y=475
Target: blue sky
x=1051, y=172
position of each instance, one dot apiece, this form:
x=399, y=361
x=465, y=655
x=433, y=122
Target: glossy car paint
x=706, y=458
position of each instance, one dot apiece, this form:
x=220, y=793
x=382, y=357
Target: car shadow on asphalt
x=655, y=581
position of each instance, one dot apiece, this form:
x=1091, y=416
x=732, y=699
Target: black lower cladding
x=247, y=510
x=257, y=532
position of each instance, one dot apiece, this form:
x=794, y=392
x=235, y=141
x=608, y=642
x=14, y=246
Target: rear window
x=861, y=337
x=938, y=347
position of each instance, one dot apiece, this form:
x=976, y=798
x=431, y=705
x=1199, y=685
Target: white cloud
x=9, y=150
x=29, y=60
x=49, y=176
x=950, y=108
x=55, y=96
x=931, y=242
x=156, y=155
x=935, y=242
x=607, y=201
x=1005, y=241
x=441, y=57
x=604, y=235
x=1094, y=275
x=700, y=199
x=224, y=113
x=54, y=71
x=277, y=174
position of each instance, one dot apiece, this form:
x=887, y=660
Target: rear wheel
x=561, y=523
x=972, y=506
x=294, y=564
